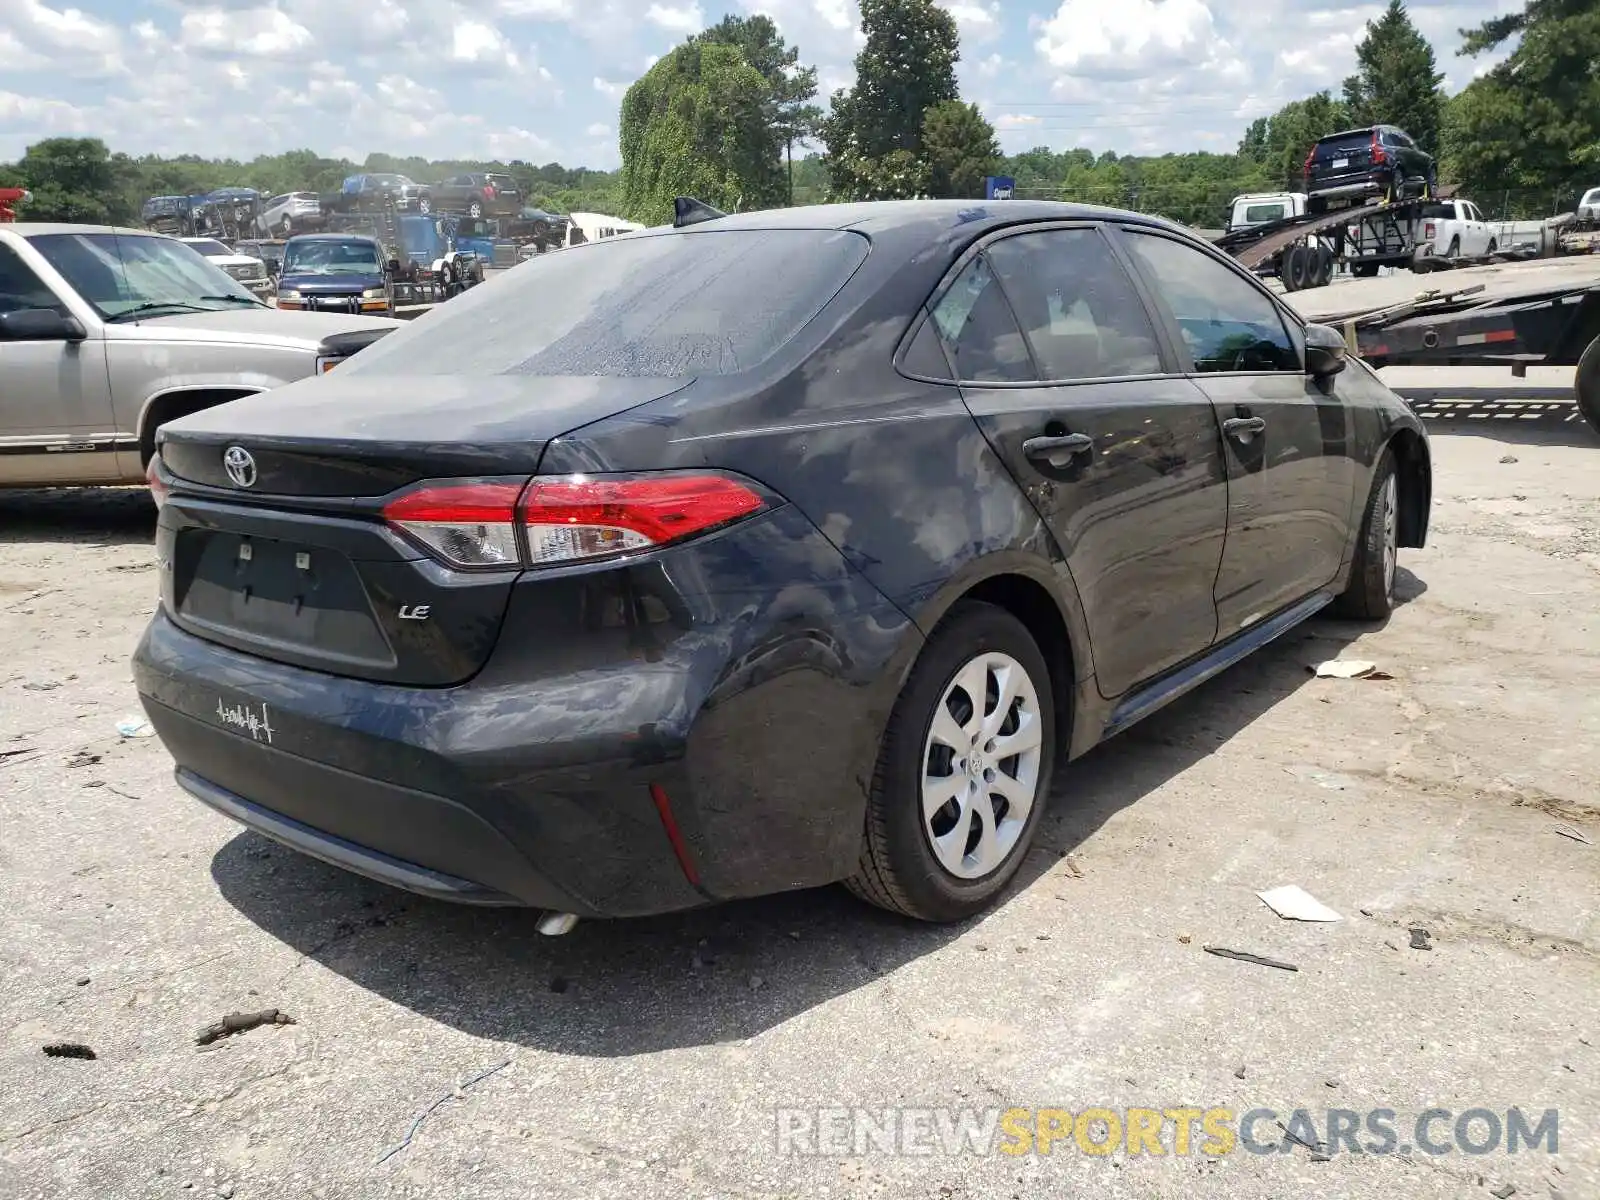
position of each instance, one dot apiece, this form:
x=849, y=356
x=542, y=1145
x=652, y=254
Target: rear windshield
x=666, y=306
x=1256, y=214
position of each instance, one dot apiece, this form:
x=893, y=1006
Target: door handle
x=1243, y=428
x=1058, y=451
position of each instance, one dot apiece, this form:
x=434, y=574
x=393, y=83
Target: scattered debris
x=1327, y=779
x=794, y=935
x=1184, y=938
x=1314, y=1147
x=241, y=1023
x=1245, y=956
x=1073, y=868
x=1333, y=1083
x=83, y=758
x=1238, y=1072
x=1294, y=903
x=1504, y=1190
x=1419, y=938
x=454, y=1093
x=47, y=685
x=1344, y=668
x=558, y=985
x=1573, y=832
x=225, y=1192
x=1365, y=912
x=135, y=727
x=1508, y=458
x=757, y=983
x=69, y=1050
x=84, y=982
x=5, y=754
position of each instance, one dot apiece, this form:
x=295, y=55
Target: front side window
x=979, y=330
x=128, y=275
x=20, y=288
x=1225, y=322
x=1260, y=214
x=1076, y=305
x=672, y=305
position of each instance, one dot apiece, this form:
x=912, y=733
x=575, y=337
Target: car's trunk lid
x=291, y=560
x=368, y=435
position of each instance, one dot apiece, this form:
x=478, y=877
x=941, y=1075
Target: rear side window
x=1076, y=305
x=667, y=305
x=979, y=330
x=1226, y=323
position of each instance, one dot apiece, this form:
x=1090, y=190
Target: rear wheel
x=475, y=209
x=1369, y=595
x=963, y=771
x=1455, y=247
x=1587, y=385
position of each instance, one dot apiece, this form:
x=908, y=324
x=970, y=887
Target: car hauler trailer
x=1304, y=250
x=1507, y=333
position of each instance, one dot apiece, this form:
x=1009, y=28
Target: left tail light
x=158, y=485
x=1378, y=155
x=499, y=524
x=488, y=191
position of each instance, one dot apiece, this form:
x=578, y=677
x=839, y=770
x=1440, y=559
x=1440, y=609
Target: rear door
x=1065, y=372
x=1292, y=474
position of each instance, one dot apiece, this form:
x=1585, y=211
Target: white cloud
x=978, y=20
x=251, y=32
x=598, y=130
x=684, y=19
x=606, y=88
x=1126, y=38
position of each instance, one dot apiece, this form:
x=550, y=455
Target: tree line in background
x=720, y=116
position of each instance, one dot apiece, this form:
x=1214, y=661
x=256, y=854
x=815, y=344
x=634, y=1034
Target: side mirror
x=40, y=325
x=393, y=266
x=1325, y=351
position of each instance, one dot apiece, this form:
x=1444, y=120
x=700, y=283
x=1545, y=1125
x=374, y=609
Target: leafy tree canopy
x=959, y=148
x=1397, y=81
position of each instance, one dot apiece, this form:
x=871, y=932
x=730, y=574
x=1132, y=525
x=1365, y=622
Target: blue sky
x=542, y=79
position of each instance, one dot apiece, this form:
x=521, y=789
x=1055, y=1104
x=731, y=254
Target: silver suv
x=106, y=334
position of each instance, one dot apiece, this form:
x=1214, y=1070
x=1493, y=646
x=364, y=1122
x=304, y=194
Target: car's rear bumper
x=715, y=745
x=1349, y=187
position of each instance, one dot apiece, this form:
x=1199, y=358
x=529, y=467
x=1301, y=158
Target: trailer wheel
x=1299, y=266
x=1324, y=267
x=1586, y=385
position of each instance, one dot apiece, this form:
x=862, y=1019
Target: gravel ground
x=652, y=1058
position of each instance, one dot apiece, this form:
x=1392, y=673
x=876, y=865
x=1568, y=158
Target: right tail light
x=501, y=524
x=158, y=486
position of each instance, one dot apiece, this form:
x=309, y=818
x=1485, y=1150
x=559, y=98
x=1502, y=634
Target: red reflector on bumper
x=674, y=835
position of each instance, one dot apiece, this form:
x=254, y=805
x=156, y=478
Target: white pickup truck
x=1456, y=229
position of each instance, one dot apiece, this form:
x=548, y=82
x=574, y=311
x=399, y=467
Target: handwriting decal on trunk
x=245, y=719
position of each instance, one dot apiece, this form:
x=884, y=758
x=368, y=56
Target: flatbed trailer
x=1304, y=251
x=1517, y=317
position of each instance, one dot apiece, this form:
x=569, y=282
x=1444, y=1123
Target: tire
x=1586, y=385
x=1293, y=269
x=475, y=210
x=1369, y=594
x=1324, y=272
x=900, y=868
x=1455, y=247
x=287, y=227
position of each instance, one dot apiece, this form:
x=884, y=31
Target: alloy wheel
x=980, y=765
x=1391, y=532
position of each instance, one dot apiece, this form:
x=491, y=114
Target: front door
x=56, y=423
x=1061, y=365
x=1291, y=471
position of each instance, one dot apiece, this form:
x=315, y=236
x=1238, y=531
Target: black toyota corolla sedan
x=764, y=552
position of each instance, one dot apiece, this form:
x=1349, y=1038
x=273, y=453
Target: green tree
x=1531, y=126
x=73, y=179
x=790, y=114
x=696, y=125
x=1397, y=80
x=905, y=68
x=960, y=149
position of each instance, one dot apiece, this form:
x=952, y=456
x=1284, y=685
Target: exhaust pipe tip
x=554, y=924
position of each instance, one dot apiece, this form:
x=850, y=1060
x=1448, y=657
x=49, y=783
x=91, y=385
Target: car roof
x=332, y=237
x=888, y=216
x=1344, y=133
x=31, y=228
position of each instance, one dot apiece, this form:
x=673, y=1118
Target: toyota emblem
x=240, y=466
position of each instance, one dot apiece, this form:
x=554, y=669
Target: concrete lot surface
x=652, y=1058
